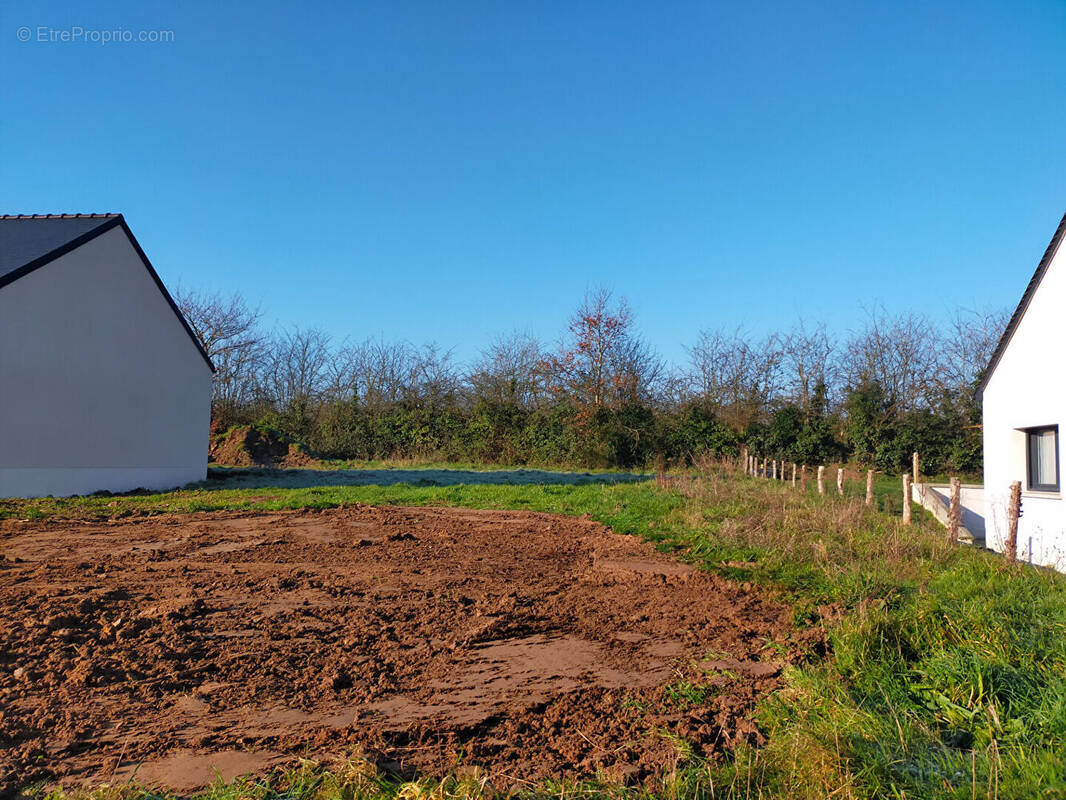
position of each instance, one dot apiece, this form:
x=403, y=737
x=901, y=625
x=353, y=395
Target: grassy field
x=945, y=674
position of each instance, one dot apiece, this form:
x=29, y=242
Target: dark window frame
x=1041, y=487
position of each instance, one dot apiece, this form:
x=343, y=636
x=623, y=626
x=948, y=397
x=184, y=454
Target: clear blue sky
x=448, y=170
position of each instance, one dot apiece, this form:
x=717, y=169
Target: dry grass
x=837, y=536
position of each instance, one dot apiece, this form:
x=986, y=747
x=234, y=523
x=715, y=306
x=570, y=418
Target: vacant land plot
x=174, y=646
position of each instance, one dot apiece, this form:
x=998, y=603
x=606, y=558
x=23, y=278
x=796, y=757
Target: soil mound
x=533, y=645
x=255, y=446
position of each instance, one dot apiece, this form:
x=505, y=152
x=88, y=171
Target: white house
x=102, y=383
x=1024, y=391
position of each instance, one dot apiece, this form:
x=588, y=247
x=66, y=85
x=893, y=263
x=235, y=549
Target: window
x=1042, y=449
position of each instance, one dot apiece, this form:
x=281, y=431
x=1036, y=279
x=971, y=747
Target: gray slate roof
x=25, y=238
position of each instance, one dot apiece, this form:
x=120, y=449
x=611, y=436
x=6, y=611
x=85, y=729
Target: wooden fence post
x=840, y=481
x=803, y=479
x=906, y=499
x=1014, y=510
x=869, y=487
x=914, y=466
x=821, y=480
x=793, y=474
x=955, y=511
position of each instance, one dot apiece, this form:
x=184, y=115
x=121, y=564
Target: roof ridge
x=61, y=216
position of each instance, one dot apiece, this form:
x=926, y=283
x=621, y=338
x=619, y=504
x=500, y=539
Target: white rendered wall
x=1028, y=390
x=971, y=502
x=100, y=385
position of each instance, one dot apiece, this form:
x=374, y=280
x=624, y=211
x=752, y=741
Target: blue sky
x=448, y=171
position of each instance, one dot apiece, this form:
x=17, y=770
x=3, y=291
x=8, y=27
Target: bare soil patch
x=250, y=446
x=529, y=644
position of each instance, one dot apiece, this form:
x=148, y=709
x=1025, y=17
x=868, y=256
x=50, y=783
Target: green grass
x=944, y=675
x=563, y=499
x=685, y=694
x=349, y=779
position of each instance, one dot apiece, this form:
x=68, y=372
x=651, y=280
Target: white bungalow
x=102, y=383
x=1024, y=390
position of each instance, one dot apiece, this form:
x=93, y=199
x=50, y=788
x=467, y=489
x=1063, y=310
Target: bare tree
x=805, y=361
x=968, y=343
x=296, y=372
x=900, y=353
x=510, y=371
x=434, y=380
x=376, y=372
x=738, y=378
x=228, y=329
x=675, y=387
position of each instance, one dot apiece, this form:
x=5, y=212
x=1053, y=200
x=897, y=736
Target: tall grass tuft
x=946, y=670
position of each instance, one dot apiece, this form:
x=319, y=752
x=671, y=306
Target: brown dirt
x=250, y=446
x=530, y=644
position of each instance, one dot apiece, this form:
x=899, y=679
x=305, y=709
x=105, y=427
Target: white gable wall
x=1027, y=389
x=100, y=385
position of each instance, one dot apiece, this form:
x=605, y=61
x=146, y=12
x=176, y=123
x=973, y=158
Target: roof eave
x=163, y=289
x=111, y=222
